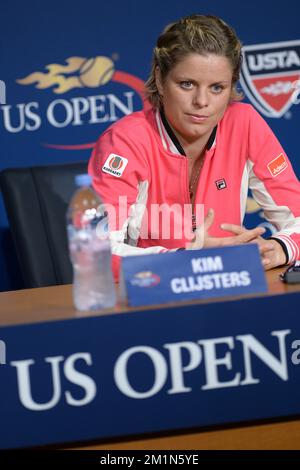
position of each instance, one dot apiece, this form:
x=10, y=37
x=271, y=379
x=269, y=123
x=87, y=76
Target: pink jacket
x=137, y=160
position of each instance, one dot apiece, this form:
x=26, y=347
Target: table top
x=284, y=435
x=55, y=303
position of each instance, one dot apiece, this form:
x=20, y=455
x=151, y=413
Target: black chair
x=36, y=201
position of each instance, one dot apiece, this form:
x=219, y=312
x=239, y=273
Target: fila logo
x=221, y=184
x=277, y=165
x=115, y=165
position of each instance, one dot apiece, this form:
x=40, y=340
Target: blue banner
x=147, y=371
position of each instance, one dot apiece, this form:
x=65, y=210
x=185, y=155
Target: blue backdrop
x=72, y=68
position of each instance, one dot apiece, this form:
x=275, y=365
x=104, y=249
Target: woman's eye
x=217, y=88
x=187, y=85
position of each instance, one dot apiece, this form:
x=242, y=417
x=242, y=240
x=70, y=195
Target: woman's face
x=195, y=94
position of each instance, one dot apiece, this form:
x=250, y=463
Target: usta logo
x=270, y=76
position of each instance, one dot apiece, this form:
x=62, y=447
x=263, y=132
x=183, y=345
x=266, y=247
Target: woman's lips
x=197, y=117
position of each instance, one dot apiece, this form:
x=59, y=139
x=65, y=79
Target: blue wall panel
x=34, y=35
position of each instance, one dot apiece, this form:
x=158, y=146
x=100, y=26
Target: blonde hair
x=201, y=34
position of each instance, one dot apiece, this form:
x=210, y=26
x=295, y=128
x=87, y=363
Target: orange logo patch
x=277, y=165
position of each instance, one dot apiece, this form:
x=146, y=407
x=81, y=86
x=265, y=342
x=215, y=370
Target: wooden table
x=53, y=303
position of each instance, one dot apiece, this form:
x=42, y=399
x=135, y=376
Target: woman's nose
x=200, y=98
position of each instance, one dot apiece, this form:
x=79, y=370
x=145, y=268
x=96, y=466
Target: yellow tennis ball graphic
x=96, y=71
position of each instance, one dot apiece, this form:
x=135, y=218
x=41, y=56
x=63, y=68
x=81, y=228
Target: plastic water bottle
x=89, y=246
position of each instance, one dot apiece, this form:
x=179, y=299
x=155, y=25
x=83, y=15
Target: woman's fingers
x=265, y=247
x=244, y=234
x=241, y=236
x=249, y=235
x=208, y=221
x=236, y=229
x=201, y=231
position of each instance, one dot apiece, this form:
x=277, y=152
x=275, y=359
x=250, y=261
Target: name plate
x=192, y=274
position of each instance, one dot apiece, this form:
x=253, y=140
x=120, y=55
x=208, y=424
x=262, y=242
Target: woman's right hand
x=204, y=240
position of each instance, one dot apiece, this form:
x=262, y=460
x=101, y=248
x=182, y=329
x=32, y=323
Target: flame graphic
x=251, y=206
x=78, y=73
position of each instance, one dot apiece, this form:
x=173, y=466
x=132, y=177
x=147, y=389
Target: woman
x=195, y=151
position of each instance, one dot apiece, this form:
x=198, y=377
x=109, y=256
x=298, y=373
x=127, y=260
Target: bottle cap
x=83, y=180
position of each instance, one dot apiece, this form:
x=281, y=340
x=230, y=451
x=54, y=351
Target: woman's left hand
x=271, y=252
